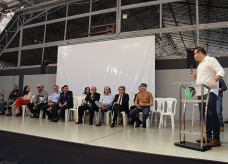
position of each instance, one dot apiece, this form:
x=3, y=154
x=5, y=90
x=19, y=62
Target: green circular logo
x=190, y=92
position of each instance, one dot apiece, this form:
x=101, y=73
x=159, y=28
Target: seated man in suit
x=121, y=103
x=143, y=102
x=12, y=97
x=104, y=104
x=90, y=104
x=40, y=100
x=53, y=100
x=65, y=102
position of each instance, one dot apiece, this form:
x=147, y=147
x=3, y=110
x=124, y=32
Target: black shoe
x=138, y=124
x=131, y=122
x=33, y=116
x=112, y=125
x=50, y=118
x=9, y=114
x=79, y=122
x=55, y=120
x=144, y=126
x=20, y=114
x=37, y=115
x=17, y=115
x=90, y=123
x=2, y=113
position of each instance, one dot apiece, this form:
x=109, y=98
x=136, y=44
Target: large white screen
x=127, y=62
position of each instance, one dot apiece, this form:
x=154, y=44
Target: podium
x=183, y=100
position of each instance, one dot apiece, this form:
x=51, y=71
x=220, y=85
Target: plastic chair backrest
x=171, y=105
x=75, y=100
x=32, y=99
x=160, y=104
x=80, y=98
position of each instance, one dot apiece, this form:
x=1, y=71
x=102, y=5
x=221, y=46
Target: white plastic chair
x=170, y=110
x=157, y=108
x=24, y=107
x=74, y=111
x=124, y=117
x=106, y=116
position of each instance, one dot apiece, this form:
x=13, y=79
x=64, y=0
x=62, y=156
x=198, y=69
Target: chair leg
x=156, y=117
x=165, y=121
x=172, y=121
x=95, y=117
x=151, y=117
x=148, y=122
x=124, y=118
x=161, y=121
x=23, y=110
x=66, y=114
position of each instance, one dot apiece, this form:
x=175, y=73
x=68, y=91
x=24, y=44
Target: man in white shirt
x=209, y=72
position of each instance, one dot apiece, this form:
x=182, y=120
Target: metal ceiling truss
x=168, y=44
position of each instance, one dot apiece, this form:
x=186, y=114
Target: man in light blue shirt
x=104, y=104
x=52, y=101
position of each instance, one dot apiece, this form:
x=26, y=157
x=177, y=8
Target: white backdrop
x=127, y=62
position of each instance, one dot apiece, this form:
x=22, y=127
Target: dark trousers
x=91, y=109
x=213, y=126
x=61, y=113
x=37, y=109
x=134, y=114
x=117, y=109
x=54, y=110
x=45, y=110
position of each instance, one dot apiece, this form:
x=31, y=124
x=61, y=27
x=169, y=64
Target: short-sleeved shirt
x=144, y=97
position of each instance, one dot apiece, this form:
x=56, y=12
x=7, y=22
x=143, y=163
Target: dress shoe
x=33, y=116
x=55, y=120
x=17, y=115
x=37, y=116
x=144, y=126
x=214, y=143
x=2, y=113
x=98, y=124
x=79, y=122
x=112, y=125
x=221, y=129
x=131, y=122
x=9, y=114
x=90, y=123
x=50, y=118
x=138, y=124
x=208, y=140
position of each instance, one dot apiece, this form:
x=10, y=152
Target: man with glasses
x=121, y=103
x=52, y=101
x=209, y=72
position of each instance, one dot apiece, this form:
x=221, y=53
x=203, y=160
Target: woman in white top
x=24, y=100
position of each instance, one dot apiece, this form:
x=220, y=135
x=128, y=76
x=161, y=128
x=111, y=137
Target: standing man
x=65, y=102
x=90, y=100
x=143, y=102
x=121, y=103
x=12, y=97
x=53, y=100
x=40, y=100
x=209, y=72
x=222, y=87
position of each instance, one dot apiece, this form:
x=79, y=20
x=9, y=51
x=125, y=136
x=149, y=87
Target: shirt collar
x=206, y=58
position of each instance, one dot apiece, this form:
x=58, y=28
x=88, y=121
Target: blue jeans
x=145, y=111
x=8, y=103
x=213, y=126
x=219, y=110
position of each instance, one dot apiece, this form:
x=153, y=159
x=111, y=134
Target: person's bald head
x=93, y=89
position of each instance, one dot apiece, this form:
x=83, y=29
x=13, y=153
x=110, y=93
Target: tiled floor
x=151, y=140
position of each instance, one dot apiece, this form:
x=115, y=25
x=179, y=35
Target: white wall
x=48, y=80
x=6, y=83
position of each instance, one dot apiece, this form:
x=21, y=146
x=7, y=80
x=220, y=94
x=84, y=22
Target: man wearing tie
x=65, y=102
x=121, y=103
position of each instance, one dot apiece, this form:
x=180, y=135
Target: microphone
x=191, y=68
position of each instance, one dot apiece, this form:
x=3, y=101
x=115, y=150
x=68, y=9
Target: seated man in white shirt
x=104, y=104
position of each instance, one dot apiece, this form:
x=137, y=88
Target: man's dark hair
x=201, y=49
x=122, y=87
x=65, y=86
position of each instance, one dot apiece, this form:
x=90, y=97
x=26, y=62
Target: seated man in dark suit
x=121, y=103
x=90, y=104
x=65, y=102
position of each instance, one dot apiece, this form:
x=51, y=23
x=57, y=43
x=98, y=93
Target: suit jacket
x=67, y=98
x=125, y=100
x=95, y=97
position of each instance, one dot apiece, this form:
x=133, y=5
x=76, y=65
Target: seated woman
x=24, y=100
x=86, y=92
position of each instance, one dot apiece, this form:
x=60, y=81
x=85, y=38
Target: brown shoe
x=98, y=124
x=208, y=140
x=221, y=129
x=214, y=143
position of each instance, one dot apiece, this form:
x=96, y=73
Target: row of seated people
x=93, y=102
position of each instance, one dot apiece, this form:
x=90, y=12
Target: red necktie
x=120, y=98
